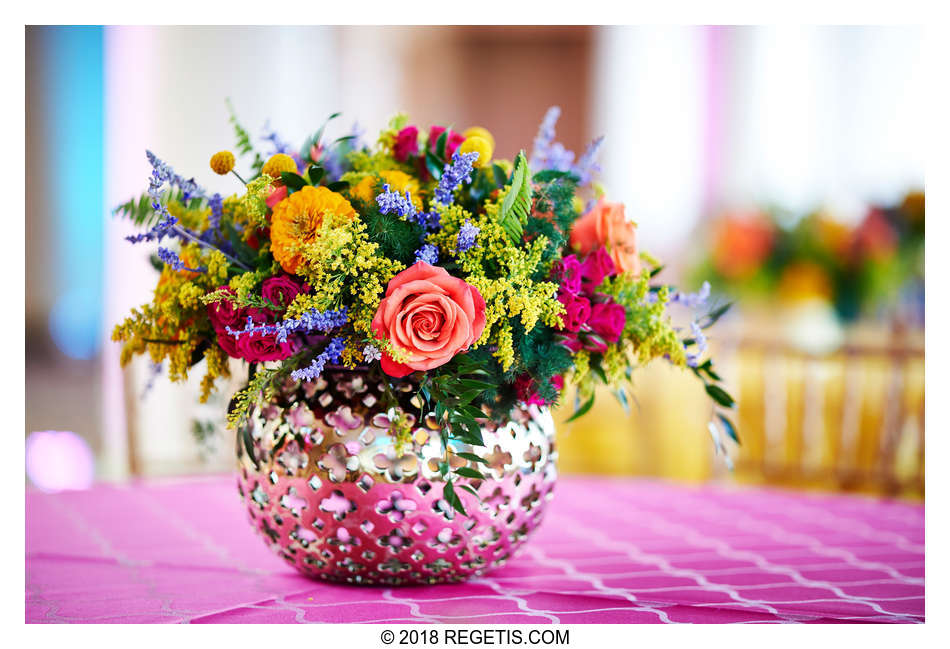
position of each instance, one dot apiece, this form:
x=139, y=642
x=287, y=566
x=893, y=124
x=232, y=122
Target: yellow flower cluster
x=222, y=162
x=172, y=325
x=513, y=293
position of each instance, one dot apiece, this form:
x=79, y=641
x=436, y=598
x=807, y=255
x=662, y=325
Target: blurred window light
x=73, y=111
x=59, y=461
x=699, y=118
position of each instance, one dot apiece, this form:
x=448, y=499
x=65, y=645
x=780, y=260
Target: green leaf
x=599, y=371
x=656, y=271
x=434, y=165
x=470, y=490
x=440, y=144
x=547, y=175
x=713, y=316
x=448, y=492
x=315, y=173
x=730, y=429
x=472, y=457
x=338, y=185
x=292, y=180
x=720, y=396
x=516, y=207
x=580, y=412
x=470, y=473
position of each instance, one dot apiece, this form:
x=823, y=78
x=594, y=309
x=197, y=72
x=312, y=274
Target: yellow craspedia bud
x=482, y=146
x=278, y=163
x=222, y=162
x=478, y=131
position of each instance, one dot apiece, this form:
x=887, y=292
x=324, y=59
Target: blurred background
x=784, y=165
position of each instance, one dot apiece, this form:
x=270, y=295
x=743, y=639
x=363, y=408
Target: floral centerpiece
x=874, y=267
x=432, y=294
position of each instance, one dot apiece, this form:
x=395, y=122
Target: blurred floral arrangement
x=488, y=283
x=861, y=270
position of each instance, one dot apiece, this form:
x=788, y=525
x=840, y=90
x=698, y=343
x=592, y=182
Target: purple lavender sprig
x=329, y=355
x=459, y=170
x=548, y=154
x=165, y=174
x=699, y=338
x=157, y=232
x=173, y=260
x=587, y=166
x=307, y=322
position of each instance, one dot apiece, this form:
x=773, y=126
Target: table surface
x=608, y=551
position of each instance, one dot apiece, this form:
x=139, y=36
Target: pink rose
x=256, y=347
x=567, y=272
x=430, y=315
x=224, y=314
x=406, y=144
x=452, y=142
x=583, y=340
x=595, y=268
x=607, y=319
x=277, y=194
x=280, y=291
x=577, y=311
x=607, y=225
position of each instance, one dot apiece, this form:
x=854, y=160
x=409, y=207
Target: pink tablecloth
x=609, y=551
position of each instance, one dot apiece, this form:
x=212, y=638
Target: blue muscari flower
x=307, y=322
x=467, y=236
x=460, y=169
x=692, y=358
x=390, y=201
x=427, y=220
x=173, y=260
x=428, y=253
x=329, y=355
x=587, y=166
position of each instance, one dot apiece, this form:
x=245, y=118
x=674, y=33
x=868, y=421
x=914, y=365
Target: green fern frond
x=244, y=145
x=517, y=204
x=140, y=210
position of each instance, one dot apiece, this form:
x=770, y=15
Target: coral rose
x=430, y=315
x=607, y=225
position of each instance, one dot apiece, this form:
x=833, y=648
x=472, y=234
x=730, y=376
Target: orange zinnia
x=297, y=219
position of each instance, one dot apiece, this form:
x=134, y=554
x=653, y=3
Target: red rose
x=577, y=311
x=568, y=272
x=224, y=314
x=406, y=144
x=595, y=268
x=607, y=319
x=257, y=347
x=430, y=315
x=452, y=142
x=280, y=291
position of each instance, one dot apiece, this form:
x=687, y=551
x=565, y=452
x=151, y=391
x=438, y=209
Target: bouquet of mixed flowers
x=859, y=269
x=485, y=283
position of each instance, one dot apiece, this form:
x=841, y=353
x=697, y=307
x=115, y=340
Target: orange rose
x=429, y=314
x=606, y=225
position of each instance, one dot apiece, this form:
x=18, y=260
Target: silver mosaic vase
x=347, y=489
